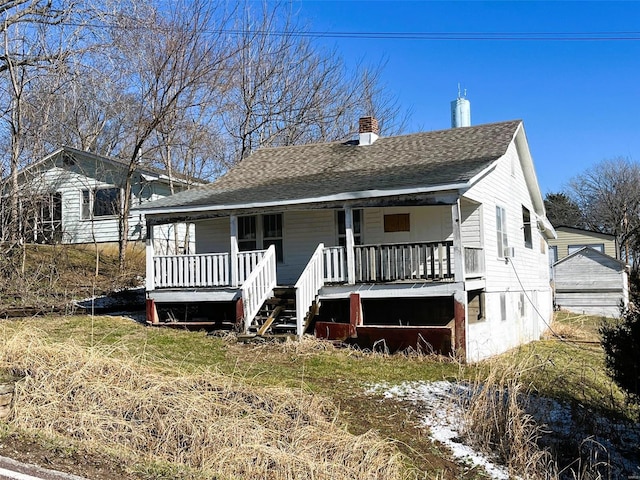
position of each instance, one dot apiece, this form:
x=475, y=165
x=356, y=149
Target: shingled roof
x=294, y=173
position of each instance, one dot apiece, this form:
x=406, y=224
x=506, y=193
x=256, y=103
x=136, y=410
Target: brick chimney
x=368, y=130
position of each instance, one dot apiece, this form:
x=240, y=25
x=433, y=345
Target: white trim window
x=574, y=248
x=256, y=232
x=272, y=234
x=501, y=230
x=526, y=227
x=357, y=227
x=247, y=233
x=100, y=202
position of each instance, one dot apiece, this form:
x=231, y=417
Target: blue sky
x=580, y=100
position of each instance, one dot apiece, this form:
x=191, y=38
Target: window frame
x=247, y=233
x=341, y=227
x=253, y=235
x=276, y=240
x=477, y=301
x=502, y=238
x=571, y=249
x=526, y=227
x=89, y=203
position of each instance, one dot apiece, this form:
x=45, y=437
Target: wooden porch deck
x=212, y=277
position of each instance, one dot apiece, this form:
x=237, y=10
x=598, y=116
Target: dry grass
x=496, y=420
x=53, y=275
x=575, y=327
x=207, y=422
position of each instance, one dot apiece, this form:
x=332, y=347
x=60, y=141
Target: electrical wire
x=491, y=36
x=590, y=36
x=535, y=308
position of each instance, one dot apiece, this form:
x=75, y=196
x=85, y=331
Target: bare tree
x=27, y=50
x=286, y=91
x=609, y=195
x=178, y=56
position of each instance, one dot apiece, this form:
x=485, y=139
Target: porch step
x=278, y=314
x=275, y=301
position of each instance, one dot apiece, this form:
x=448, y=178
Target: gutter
x=302, y=201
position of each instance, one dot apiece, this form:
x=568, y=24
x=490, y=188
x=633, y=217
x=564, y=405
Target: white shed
x=591, y=282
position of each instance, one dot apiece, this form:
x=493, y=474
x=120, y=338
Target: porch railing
x=308, y=285
x=258, y=286
x=247, y=262
x=202, y=270
x=197, y=270
x=335, y=270
x=404, y=261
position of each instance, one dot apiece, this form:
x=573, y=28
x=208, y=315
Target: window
x=398, y=222
x=103, y=202
x=272, y=232
x=523, y=305
x=501, y=230
x=357, y=228
x=247, y=233
x=553, y=254
x=596, y=246
x=252, y=236
x=526, y=225
x=50, y=210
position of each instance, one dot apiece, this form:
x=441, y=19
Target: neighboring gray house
x=591, y=282
x=72, y=196
x=435, y=237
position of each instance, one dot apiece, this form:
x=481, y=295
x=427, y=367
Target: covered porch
x=324, y=248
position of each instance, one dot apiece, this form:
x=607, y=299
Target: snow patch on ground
x=443, y=418
x=610, y=445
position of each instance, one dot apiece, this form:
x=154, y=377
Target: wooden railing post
x=233, y=256
x=307, y=287
x=349, y=243
x=150, y=271
x=458, y=258
x=258, y=286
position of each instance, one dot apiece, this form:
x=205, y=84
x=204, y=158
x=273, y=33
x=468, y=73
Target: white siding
x=427, y=224
x=91, y=174
x=71, y=183
x=303, y=231
x=527, y=272
x=471, y=227
x=213, y=236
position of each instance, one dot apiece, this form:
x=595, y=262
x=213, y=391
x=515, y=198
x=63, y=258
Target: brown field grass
x=53, y=275
x=184, y=405
x=205, y=422
x=495, y=419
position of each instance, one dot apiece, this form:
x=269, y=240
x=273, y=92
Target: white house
x=72, y=196
x=434, y=239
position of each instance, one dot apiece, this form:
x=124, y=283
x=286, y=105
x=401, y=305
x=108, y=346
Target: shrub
x=620, y=340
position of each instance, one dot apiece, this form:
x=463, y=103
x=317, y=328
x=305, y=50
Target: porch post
x=233, y=257
x=460, y=324
x=149, y=280
x=458, y=251
x=349, y=243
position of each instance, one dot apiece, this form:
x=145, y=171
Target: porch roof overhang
x=432, y=195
